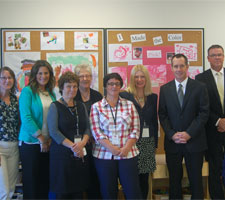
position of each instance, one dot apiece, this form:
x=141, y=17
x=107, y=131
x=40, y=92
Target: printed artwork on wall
x=62, y=62
x=17, y=41
x=86, y=41
x=21, y=63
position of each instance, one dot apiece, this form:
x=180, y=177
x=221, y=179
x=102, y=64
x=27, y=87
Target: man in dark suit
x=183, y=112
x=215, y=127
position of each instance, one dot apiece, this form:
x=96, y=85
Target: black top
x=94, y=97
x=147, y=114
x=68, y=174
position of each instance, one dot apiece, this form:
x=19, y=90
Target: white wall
x=207, y=14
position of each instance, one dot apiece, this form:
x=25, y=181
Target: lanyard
x=114, y=117
x=74, y=112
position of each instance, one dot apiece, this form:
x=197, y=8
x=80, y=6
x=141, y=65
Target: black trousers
x=193, y=162
x=144, y=184
x=35, y=171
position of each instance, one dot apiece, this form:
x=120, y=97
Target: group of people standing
x=84, y=142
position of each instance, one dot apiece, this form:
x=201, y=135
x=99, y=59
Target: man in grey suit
x=215, y=127
x=183, y=112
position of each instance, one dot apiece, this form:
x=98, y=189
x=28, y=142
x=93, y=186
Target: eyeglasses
x=85, y=76
x=5, y=78
x=117, y=84
x=216, y=55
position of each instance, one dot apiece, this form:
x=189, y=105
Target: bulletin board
x=62, y=48
x=154, y=48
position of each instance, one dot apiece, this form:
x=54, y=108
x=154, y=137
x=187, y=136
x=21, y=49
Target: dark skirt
x=68, y=174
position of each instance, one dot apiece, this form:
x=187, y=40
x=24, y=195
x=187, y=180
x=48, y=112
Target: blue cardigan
x=31, y=113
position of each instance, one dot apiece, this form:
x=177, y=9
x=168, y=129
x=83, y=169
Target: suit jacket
x=191, y=118
x=216, y=110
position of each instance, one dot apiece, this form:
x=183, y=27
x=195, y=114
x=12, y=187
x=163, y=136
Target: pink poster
x=188, y=49
x=159, y=56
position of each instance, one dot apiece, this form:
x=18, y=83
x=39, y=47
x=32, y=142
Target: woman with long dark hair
x=34, y=103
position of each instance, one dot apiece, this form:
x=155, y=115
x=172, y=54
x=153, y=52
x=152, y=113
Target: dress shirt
x=183, y=83
x=103, y=127
x=214, y=73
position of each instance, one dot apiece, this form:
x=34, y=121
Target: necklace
x=140, y=100
x=45, y=93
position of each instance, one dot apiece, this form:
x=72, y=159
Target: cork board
x=156, y=47
x=65, y=41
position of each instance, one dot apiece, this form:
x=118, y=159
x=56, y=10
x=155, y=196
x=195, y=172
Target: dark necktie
x=180, y=94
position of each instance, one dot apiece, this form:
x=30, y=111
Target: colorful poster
x=188, y=49
x=62, y=62
x=159, y=55
x=86, y=40
x=156, y=55
x=52, y=40
x=21, y=63
x=17, y=41
x=122, y=71
x=120, y=52
x=194, y=70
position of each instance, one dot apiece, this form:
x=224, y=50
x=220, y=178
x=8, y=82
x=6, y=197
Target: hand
x=78, y=149
x=49, y=142
x=176, y=138
x=44, y=147
x=181, y=137
x=221, y=130
x=116, y=151
x=184, y=137
x=221, y=125
x=124, y=151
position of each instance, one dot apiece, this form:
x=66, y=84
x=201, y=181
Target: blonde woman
x=140, y=93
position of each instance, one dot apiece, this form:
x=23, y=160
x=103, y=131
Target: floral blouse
x=9, y=120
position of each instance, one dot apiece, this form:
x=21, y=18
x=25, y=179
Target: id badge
x=145, y=133
x=78, y=139
x=115, y=139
